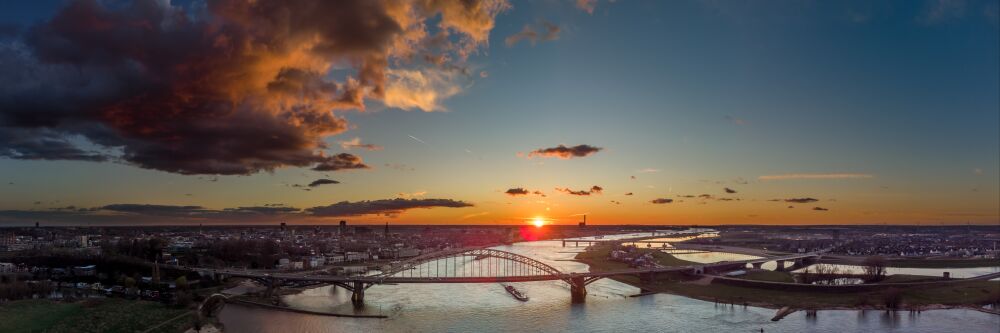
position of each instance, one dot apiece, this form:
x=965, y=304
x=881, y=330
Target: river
x=488, y=308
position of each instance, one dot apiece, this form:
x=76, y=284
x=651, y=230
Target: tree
x=892, y=298
x=827, y=274
x=183, y=298
x=874, y=268
x=129, y=282
x=182, y=283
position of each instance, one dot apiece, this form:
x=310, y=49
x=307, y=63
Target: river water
x=488, y=308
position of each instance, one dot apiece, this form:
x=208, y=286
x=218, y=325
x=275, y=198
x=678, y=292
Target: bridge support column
x=358, y=297
x=564, y=243
x=578, y=290
x=781, y=265
x=270, y=287
x=757, y=265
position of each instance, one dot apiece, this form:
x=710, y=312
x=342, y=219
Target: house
x=89, y=270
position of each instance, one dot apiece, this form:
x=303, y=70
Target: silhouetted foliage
x=892, y=298
x=875, y=268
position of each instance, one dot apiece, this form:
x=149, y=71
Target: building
x=89, y=270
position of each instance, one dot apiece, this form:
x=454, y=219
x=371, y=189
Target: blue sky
x=688, y=97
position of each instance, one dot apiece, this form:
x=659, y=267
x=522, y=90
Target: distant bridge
x=651, y=239
x=478, y=265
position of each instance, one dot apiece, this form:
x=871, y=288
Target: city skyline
x=628, y=112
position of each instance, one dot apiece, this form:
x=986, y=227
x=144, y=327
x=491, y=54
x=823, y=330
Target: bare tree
x=827, y=274
x=874, y=268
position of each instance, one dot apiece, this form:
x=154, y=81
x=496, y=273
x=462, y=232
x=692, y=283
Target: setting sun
x=538, y=222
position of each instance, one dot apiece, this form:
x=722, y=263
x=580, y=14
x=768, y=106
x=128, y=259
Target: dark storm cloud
x=564, y=152
x=24, y=144
x=324, y=181
x=383, y=207
x=196, y=211
x=233, y=87
x=801, y=200
x=342, y=161
x=8, y=30
x=128, y=213
x=257, y=210
x=662, y=201
x=593, y=190
x=159, y=210
x=729, y=190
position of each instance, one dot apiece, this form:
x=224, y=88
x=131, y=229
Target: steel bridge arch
x=475, y=252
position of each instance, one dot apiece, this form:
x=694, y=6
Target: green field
x=944, y=263
x=771, y=276
x=909, y=278
x=99, y=315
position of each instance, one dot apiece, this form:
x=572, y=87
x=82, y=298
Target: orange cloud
x=249, y=86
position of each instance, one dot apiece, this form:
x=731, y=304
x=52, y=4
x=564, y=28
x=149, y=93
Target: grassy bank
x=957, y=294
x=771, y=276
x=97, y=315
x=944, y=263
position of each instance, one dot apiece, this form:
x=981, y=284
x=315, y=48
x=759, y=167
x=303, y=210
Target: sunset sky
x=434, y=112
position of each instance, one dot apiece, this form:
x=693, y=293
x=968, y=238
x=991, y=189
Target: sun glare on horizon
x=538, y=222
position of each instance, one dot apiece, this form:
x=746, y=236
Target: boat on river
x=516, y=293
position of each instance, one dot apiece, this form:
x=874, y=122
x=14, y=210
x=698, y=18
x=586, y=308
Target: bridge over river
x=479, y=265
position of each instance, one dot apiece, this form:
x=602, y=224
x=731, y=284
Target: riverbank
x=291, y=309
x=91, y=315
x=954, y=295
x=851, y=260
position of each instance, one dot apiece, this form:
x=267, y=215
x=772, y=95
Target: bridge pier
x=757, y=265
x=564, y=242
x=358, y=295
x=270, y=287
x=578, y=290
x=781, y=265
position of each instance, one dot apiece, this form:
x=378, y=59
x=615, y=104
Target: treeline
x=12, y=288
x=251, y=253
x=150, y=249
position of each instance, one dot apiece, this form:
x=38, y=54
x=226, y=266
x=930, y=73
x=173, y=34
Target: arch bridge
x=482, y=265
x=468, y=265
